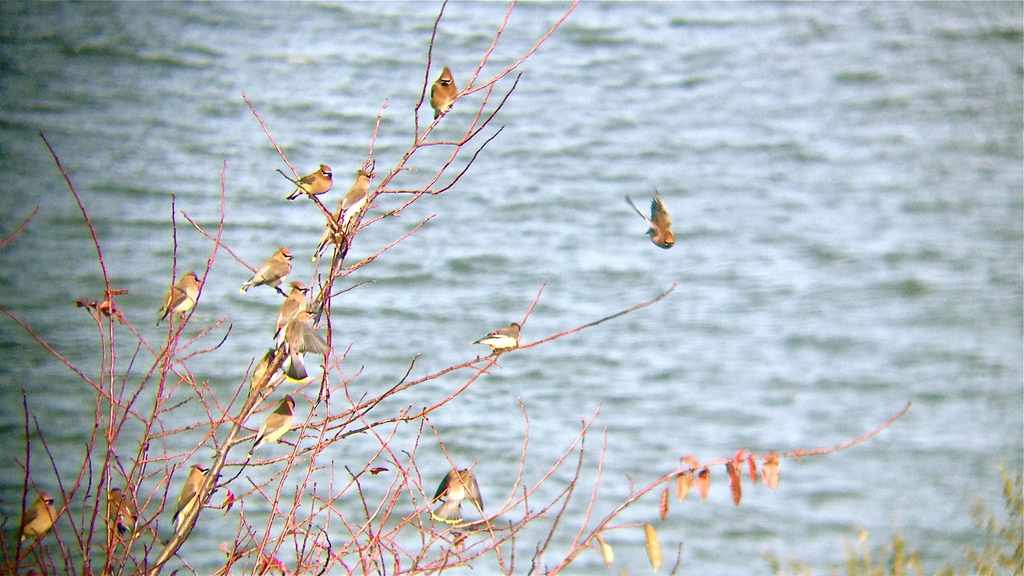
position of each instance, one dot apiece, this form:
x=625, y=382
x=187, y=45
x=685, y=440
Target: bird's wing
x=31, y=514
x=659, y=214
x=473, y=492
x=441, y=488
x=188, y=493
x=312, y=342
x=642, y=215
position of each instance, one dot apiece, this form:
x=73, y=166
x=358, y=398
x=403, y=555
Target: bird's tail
x=450, y=512
x=294, y=368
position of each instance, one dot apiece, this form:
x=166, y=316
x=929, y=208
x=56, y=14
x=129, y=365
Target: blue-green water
x=846, y=185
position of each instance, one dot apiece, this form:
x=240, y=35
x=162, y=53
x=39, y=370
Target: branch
x=20, y=228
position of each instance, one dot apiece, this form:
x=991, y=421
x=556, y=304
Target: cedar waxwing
x=348, y=208
x=277, y=423
x=120, y=512
x=660, y=222
x=181, y=297
x=272, y=272
x=313, y=184
x=295, y=301
x=38, y=519
x=189, y=494
x=443, y=93
x=260, y=371
x=300, y=338
x=456, y=487
x=502, y=339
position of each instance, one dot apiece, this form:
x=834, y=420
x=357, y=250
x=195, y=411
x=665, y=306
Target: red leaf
x=770, y=470
x=734, y=482
x=688, y=460
x=752, y=468
x=703, y=483
x=663, y=507
x=229, y=500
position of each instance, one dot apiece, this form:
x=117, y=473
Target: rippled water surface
x=845, y=181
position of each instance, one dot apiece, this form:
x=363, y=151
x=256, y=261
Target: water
x=845, y=182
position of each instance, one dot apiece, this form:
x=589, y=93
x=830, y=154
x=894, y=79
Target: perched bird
x=348, y=208
x=443, y=93
x=313, y=184
x=38, y=519
x=502, y=339
x=181, y=297
x=300, y=338
x=295, y=301
x=259, y=373
x=660, y=222
x=189, y=496
x=277, y=423
x=456, y=487
x=120, y=512
x=272, y=272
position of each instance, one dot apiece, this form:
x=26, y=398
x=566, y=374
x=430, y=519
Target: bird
x=181, y=297
x=456, y=486
x=38, y=519
x=189, y=496
x=120, y=512
x=660, y=222
x=443, y=93
x=295, y=301
x=348, y=208
x=259, y=373
x=272, y=272
x=502, y=339
x=313, y=184
x=277, y=423
x=300, y=338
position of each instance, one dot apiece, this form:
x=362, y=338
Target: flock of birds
x=295, y=335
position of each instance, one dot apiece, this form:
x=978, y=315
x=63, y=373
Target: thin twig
x=20, y=228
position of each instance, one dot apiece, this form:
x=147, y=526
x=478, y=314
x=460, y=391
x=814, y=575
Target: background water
x=845, y=180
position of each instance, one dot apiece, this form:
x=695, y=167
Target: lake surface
x=845, y=181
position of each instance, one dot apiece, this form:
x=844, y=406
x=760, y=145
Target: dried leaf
x=663, y=507
x=770, y=470
x=684, y=482
x=703, y=483
x=269, y=564
x=107, y=307
x=692, y=461
x=377, y=470
x=752, y=468
x=653, y=546
x=606, y=552
x=734, y=482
